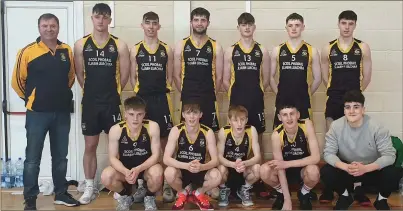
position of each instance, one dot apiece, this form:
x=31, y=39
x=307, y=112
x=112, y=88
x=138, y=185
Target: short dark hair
x=286, y=105
x=152, y=16
x=192, y=107
x=354, y=96
x=134, y=102
x=348, y=15
x=102, y=9
x=200, y=11
x=294, y=16
x=48, y=16
x=246, y=18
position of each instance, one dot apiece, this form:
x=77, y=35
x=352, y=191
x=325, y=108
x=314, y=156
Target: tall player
x=246, y=74
x=346, y=65
x=151, y=77
x=198, y=67
x=295, y=60
x=102, y=67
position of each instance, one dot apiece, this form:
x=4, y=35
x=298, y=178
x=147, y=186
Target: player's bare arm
x=170, y=150
x=154, y=132
x=124, y=63
x=219, y=57
x=273, y=69
x=177, y=74
x=367, y=66
x=227, y=68
x=221, y=148
x=312, y=159
x=324, y=58
x=277, y=155
x=212, y=150
x=316, y=71
x=170, y=66
x=265, y=68
x=255, y=148
x=133, y=66
x=79, y=61
x=113, y=149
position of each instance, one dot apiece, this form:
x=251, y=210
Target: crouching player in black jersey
x=191, y=158
x=239, y=155
x=296, y=155
x=134, y=150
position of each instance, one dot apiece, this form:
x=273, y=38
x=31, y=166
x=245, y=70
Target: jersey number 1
x=119, y=118
x=152, y=58
x=100, y=54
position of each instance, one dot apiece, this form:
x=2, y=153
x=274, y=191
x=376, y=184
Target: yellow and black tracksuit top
x=44, y=78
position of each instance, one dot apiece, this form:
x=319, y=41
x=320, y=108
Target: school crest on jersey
x=63, y=57
x=208, y=50
x=202, y=142
x=111, y=48
x=357, y=51
x=304, y=52
x=257, y=53
x=162, y=53
x=135, y=144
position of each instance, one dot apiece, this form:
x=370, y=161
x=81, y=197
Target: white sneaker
x=88, y=195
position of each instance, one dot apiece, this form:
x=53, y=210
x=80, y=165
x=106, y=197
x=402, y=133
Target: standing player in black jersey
x=102, y=67
x=134, y=151
x=151, y=77
x=295, y=61
x=346, y=66
x=239, y=155
x=198, y=66
x=191, y=157
x=246, y=74
x=296, y=155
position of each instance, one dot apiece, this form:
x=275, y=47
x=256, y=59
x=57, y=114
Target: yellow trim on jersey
x=216, y=112
x=278, y=59
x=330, y=65
x=103, y=44
x=197, y=46
x=137, y=87
x=119, y=87
x=213, y=63
x=183, y=61
x=245, y=50
x=361, y=64
x=232, y=74
x=169, y=87
x=170, y=107
x=249, y=133
x=261, y=71
x=309, y=73
x=297, y=49
x=233, y=137
x=348, y=49
x=148, y=49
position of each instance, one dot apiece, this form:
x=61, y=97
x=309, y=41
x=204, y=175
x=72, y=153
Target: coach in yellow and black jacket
x=43, y=76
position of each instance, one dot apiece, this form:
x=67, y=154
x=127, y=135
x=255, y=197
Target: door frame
x=78, y=26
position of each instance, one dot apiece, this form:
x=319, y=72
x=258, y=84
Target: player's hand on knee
x=132, y=176
x=278, y=164
x=239, y=166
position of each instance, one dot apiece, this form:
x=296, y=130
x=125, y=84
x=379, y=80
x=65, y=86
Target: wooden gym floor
x=10, y=201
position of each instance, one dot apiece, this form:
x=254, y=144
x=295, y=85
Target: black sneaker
x=278, y=204
x=327, y=196
x=344, y=202
x=381, y=204
x=304, y=201
x=359, y=196
x=66, y=199
x=313, y=196
x=30, y=203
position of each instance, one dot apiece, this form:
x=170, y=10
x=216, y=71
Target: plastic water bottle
x=401, y=186
x=3, y=173
x=10, y=177
x=19, y=171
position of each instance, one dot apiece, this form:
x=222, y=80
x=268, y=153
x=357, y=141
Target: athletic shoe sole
x=65, y=204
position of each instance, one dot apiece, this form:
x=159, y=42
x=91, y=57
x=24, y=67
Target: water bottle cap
x=19, y=158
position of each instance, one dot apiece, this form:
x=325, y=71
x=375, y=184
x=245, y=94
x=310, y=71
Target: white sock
x=278, y=188
x=305, y=189
x=222, y=186
x=247, y=185
x=345, y=193
x=197, y=193
x=380, y=197
x=357, y=184
x=89, y=182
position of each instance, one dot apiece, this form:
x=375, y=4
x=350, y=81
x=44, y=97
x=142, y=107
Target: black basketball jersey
x=246, y=81
x=232, y=150
x=293, y=68
x=151, y=69
x=134, y=151
x=187, y=150
x=345, y=68
x=297, y=148
x=198, y=69
x=102, y=74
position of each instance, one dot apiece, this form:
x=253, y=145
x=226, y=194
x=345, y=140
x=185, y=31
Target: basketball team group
x=197, y=160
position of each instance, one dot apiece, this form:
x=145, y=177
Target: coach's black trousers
x=385, y=180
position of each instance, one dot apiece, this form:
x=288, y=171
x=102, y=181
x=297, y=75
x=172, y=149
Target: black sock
x=127, y=189
x=149, y=193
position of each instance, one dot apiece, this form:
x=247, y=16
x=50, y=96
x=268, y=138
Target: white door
x=21, y=25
